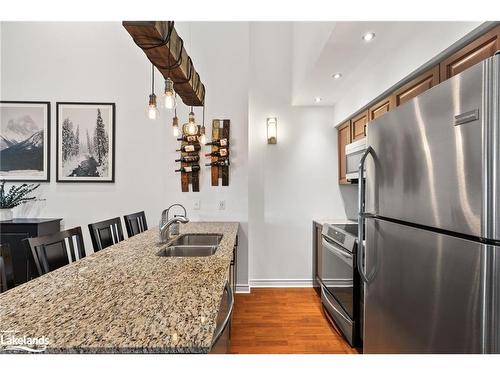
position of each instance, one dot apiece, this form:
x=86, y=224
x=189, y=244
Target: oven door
x=337, y=271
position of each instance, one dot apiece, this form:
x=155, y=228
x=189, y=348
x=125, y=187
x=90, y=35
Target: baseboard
x=242, y=288
x=281, y=283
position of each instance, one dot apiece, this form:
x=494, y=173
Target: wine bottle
x=219, y=163
x=189, y=159
x=223, y=142
x=189, y=169
x=188, y=138
x=221, y=152
x=190, y=148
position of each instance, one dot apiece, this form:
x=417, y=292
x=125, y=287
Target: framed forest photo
x=24, y=141
x=85, y=142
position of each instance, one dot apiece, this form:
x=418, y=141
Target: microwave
x=353, y=153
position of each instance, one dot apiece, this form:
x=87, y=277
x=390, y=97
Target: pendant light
x=203, y=138
x=190, y=127
x=152, y=108
x=169, y=95
x=175, y=123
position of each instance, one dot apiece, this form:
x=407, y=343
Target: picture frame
x=85, y=142
x=25, y=141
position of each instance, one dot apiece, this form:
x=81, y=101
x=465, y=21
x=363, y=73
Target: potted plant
x=16, y=196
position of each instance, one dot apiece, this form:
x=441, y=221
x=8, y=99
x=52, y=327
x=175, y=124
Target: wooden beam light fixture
x=165, y=49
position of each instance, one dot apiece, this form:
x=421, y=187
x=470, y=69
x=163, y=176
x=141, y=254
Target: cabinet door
x=416, y=86
x=480, y=49
x=359, y=126
x=344, y=139
x=380, y=108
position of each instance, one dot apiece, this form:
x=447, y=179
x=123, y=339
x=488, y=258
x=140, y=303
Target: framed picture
x=85, y=142
x=24, y=141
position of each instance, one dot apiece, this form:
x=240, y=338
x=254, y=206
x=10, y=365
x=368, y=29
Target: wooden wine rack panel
x=220, y=132
x=192, y=178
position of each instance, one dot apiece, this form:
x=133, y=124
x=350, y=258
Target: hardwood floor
x=283, y=320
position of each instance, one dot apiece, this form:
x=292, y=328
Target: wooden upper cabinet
x=380, y=108
x=416, y=86
x=480, y=49
x=344, y=139
x=358, y=126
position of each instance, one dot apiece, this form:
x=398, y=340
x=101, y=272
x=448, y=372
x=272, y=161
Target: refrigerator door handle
x=362, y=213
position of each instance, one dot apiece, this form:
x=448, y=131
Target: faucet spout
x=165, y=234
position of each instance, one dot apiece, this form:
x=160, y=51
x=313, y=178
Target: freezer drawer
x=424, y=293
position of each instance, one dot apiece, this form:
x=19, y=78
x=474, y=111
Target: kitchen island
x=126, y=298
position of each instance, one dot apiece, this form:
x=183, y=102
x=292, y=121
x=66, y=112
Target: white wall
x=294, y=181
x=99, y=62
x=275, y=190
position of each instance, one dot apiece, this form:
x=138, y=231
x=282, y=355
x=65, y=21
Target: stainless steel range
x=341, y=292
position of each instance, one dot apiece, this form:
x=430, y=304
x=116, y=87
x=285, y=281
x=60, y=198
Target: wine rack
x=219, y=163
x=190, y=178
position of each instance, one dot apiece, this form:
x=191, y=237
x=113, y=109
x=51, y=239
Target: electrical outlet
x=222, y=205
x=196, y=204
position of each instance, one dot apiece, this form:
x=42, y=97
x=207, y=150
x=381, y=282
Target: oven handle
x=342, y=315
x=335, y=249
x=361, y=212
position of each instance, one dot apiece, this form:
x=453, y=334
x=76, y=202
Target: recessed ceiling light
x=368, y=37
x=317, y=99
x=337, y=75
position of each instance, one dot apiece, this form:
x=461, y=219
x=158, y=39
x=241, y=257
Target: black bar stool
x=56, y=250
x=106, y=233
x=135, y=223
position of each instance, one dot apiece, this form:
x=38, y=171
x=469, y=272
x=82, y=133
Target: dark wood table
x=12, y=232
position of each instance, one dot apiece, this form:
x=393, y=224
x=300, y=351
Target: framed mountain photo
x=85, y=142
x=24, y=141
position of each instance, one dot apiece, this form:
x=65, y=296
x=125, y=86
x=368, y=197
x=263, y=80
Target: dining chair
x=6, y=255
x=3, y=276
x=106, y=233
x=135, y=223
x=53, y=251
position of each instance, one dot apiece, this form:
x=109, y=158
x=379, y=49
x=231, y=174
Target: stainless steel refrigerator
x=431, y=214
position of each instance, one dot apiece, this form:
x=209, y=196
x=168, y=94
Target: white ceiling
x=368, y=68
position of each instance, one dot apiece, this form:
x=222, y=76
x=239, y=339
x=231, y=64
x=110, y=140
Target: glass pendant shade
x=175, y=127
x=152, y=109
x=169, y=95
x=203, y=138
x=191, y=127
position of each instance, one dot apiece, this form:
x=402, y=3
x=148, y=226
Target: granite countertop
x=334, y=221
x=126, y=299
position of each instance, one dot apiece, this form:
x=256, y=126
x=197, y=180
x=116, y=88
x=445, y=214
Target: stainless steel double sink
x=192, y=245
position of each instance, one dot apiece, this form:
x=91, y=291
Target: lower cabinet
x=221, y=342
x=12, y=232
x=233, y=272
x=316, y=251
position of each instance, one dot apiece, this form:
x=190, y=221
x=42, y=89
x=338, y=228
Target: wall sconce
x=272, y=130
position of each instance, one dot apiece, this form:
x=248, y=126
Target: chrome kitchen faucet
x=170, y=227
